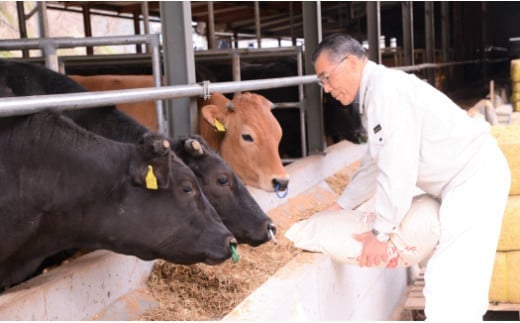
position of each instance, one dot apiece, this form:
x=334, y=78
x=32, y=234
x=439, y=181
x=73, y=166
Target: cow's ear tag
x=151, y=180
x=219, y=126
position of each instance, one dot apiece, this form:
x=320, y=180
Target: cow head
x=236, y=207
x=246, y=134
x=171, y=214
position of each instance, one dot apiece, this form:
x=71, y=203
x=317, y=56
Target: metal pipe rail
x=250, y=52
x=230, y=51
x=49, y=46
x=71, y=42
x=434, y=65
x=16, y=106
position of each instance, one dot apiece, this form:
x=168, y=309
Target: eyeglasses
x=325, y=79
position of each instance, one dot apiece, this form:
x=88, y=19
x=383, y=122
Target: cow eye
x=247, y=137
x=187, y=187
x=222, y=180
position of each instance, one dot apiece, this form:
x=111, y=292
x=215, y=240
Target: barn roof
x=279, y=19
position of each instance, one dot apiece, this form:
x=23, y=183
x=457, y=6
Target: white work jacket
x=417, y=138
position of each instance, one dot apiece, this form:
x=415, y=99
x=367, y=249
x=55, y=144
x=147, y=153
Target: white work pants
x=458, y=275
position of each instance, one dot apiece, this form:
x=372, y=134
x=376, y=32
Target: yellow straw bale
x=515, y=87
x=510, y=235
x=508, y=138
x=516, y=106
x=515, y=96
x=515, y=70
x=505, y=282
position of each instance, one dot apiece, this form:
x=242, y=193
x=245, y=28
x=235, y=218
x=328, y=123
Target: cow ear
x=215, y=116
x=153, y=175
x=153, y=170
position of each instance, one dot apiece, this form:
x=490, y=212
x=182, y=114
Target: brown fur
x=144, y=112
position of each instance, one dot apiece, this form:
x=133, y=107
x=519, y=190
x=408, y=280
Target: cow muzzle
x=280, y=184
x=271, y=232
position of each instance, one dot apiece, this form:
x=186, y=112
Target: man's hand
x=373, y=252
x=334, y=207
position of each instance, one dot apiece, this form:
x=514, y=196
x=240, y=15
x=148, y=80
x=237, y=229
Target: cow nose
x=231, y=241
x=280, y=183
x=271, y=230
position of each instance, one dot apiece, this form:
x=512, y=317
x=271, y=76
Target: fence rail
x=13, y=106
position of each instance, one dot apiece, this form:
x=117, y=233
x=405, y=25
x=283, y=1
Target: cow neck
x=101, y=157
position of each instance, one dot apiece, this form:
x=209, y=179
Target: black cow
x=63, y=187
x=234, y=203
x=225, y=190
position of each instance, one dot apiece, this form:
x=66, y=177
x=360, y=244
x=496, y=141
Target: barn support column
x=43, y=22
x=408, y=43
x=313, y=108
x=484, y=41
x=179, y=65
x=211, y=26
x=235, y=39
x=137, y=30
x=257, y=25
x=146, y=24
x=22, y=25
x=48, y=48
x=291, y=24
x=445, y=39
x=87, y=25
x=429, y=38
x=458, y=43
x=373, y=31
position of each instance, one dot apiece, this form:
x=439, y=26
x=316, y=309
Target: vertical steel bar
x=313, y=104
x=429, y=37
x=179, y=64
x=87, y=25
x=211, y=26
x=408, y=41
x=22, y=24
x=257, y=25
x=374, y=31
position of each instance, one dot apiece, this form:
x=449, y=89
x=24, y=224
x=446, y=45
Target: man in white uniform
x=418, y=137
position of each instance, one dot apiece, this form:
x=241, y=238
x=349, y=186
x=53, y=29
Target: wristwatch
x=380, y=236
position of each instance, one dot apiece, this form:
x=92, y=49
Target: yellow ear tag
x=219, y=126
x=151, y=180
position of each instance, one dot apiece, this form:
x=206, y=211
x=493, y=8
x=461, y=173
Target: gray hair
x=337, y=46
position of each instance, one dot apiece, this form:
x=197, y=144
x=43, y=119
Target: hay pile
x=202, y=292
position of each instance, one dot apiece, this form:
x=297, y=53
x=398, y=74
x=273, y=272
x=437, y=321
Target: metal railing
x=26, y=105
x=424, y=66
x=13, y=106
x=49, y=47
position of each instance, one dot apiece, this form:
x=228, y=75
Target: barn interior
x=440, y=42
x=456, y=46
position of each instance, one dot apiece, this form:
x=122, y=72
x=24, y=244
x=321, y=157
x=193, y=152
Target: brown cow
x=248, y=141
x=144, y=112
x=246, y=134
